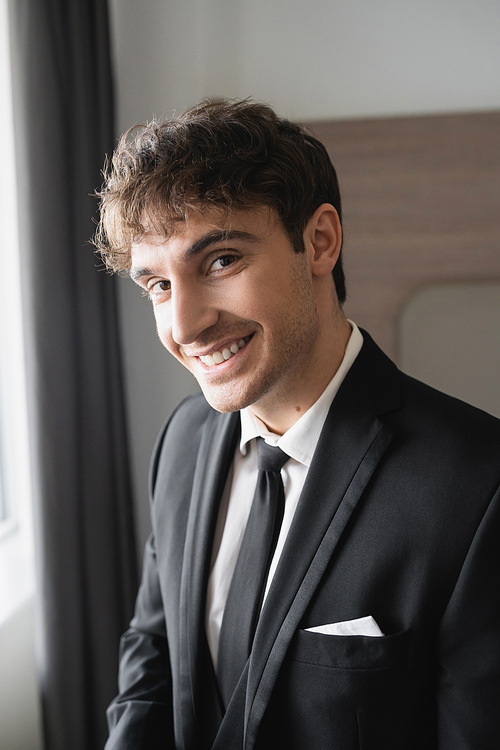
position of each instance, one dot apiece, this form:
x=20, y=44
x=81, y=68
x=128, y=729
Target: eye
x=223, y=261
x=159, y=287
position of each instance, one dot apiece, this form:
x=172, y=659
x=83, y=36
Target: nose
x=191, y=313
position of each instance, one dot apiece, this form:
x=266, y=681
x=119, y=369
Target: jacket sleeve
x=140, y=718
x=469, y=652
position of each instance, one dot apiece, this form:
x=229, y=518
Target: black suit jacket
x=398, y=519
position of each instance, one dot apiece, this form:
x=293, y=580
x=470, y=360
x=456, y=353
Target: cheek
x=164, y=328
x=233, y=299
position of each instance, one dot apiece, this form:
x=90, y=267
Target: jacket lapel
x=215, y=455
x=351, y=445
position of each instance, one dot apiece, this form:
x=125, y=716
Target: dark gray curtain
x=84, y=528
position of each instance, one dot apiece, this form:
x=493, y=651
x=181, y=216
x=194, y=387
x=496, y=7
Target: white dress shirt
x=299, y=442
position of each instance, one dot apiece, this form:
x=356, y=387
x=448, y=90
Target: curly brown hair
x=218, y=155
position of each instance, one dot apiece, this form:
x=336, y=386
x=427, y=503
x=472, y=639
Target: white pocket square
x=361, y=626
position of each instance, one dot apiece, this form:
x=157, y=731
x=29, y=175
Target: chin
x=224, y=404
x=227, y=398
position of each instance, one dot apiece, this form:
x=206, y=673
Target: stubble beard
x=283, y=376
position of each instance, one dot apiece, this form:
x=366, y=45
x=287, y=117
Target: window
x=16, y=544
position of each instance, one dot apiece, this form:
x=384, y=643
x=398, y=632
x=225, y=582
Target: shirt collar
x=299, y=442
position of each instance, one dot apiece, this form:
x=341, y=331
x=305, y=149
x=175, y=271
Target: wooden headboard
x=421, y=201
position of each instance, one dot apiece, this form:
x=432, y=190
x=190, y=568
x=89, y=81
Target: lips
x=218, y=357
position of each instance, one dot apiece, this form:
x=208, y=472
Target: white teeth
x=218, y=357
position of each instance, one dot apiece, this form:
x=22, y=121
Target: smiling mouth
x=217, y=358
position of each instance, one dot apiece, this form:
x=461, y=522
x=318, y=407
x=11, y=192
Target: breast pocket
x=350, y=651
x=344, y=692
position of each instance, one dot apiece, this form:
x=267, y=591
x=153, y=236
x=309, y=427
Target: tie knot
x=271, y=458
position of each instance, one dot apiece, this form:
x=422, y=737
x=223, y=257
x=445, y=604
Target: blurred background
x=406, y=96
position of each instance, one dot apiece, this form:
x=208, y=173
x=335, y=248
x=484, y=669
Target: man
x=324, y=565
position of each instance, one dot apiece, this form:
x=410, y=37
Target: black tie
x=248, y=584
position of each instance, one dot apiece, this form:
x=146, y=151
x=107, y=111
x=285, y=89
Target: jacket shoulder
x=448, y=438
x=445, y=411
x=181, y=434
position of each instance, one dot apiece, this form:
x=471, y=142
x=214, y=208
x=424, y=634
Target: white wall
x=310, y=59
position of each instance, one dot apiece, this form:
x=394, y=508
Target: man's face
x=235, y=304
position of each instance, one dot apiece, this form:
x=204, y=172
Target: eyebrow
x=217, y=235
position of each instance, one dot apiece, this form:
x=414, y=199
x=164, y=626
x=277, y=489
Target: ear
x=323, y=239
